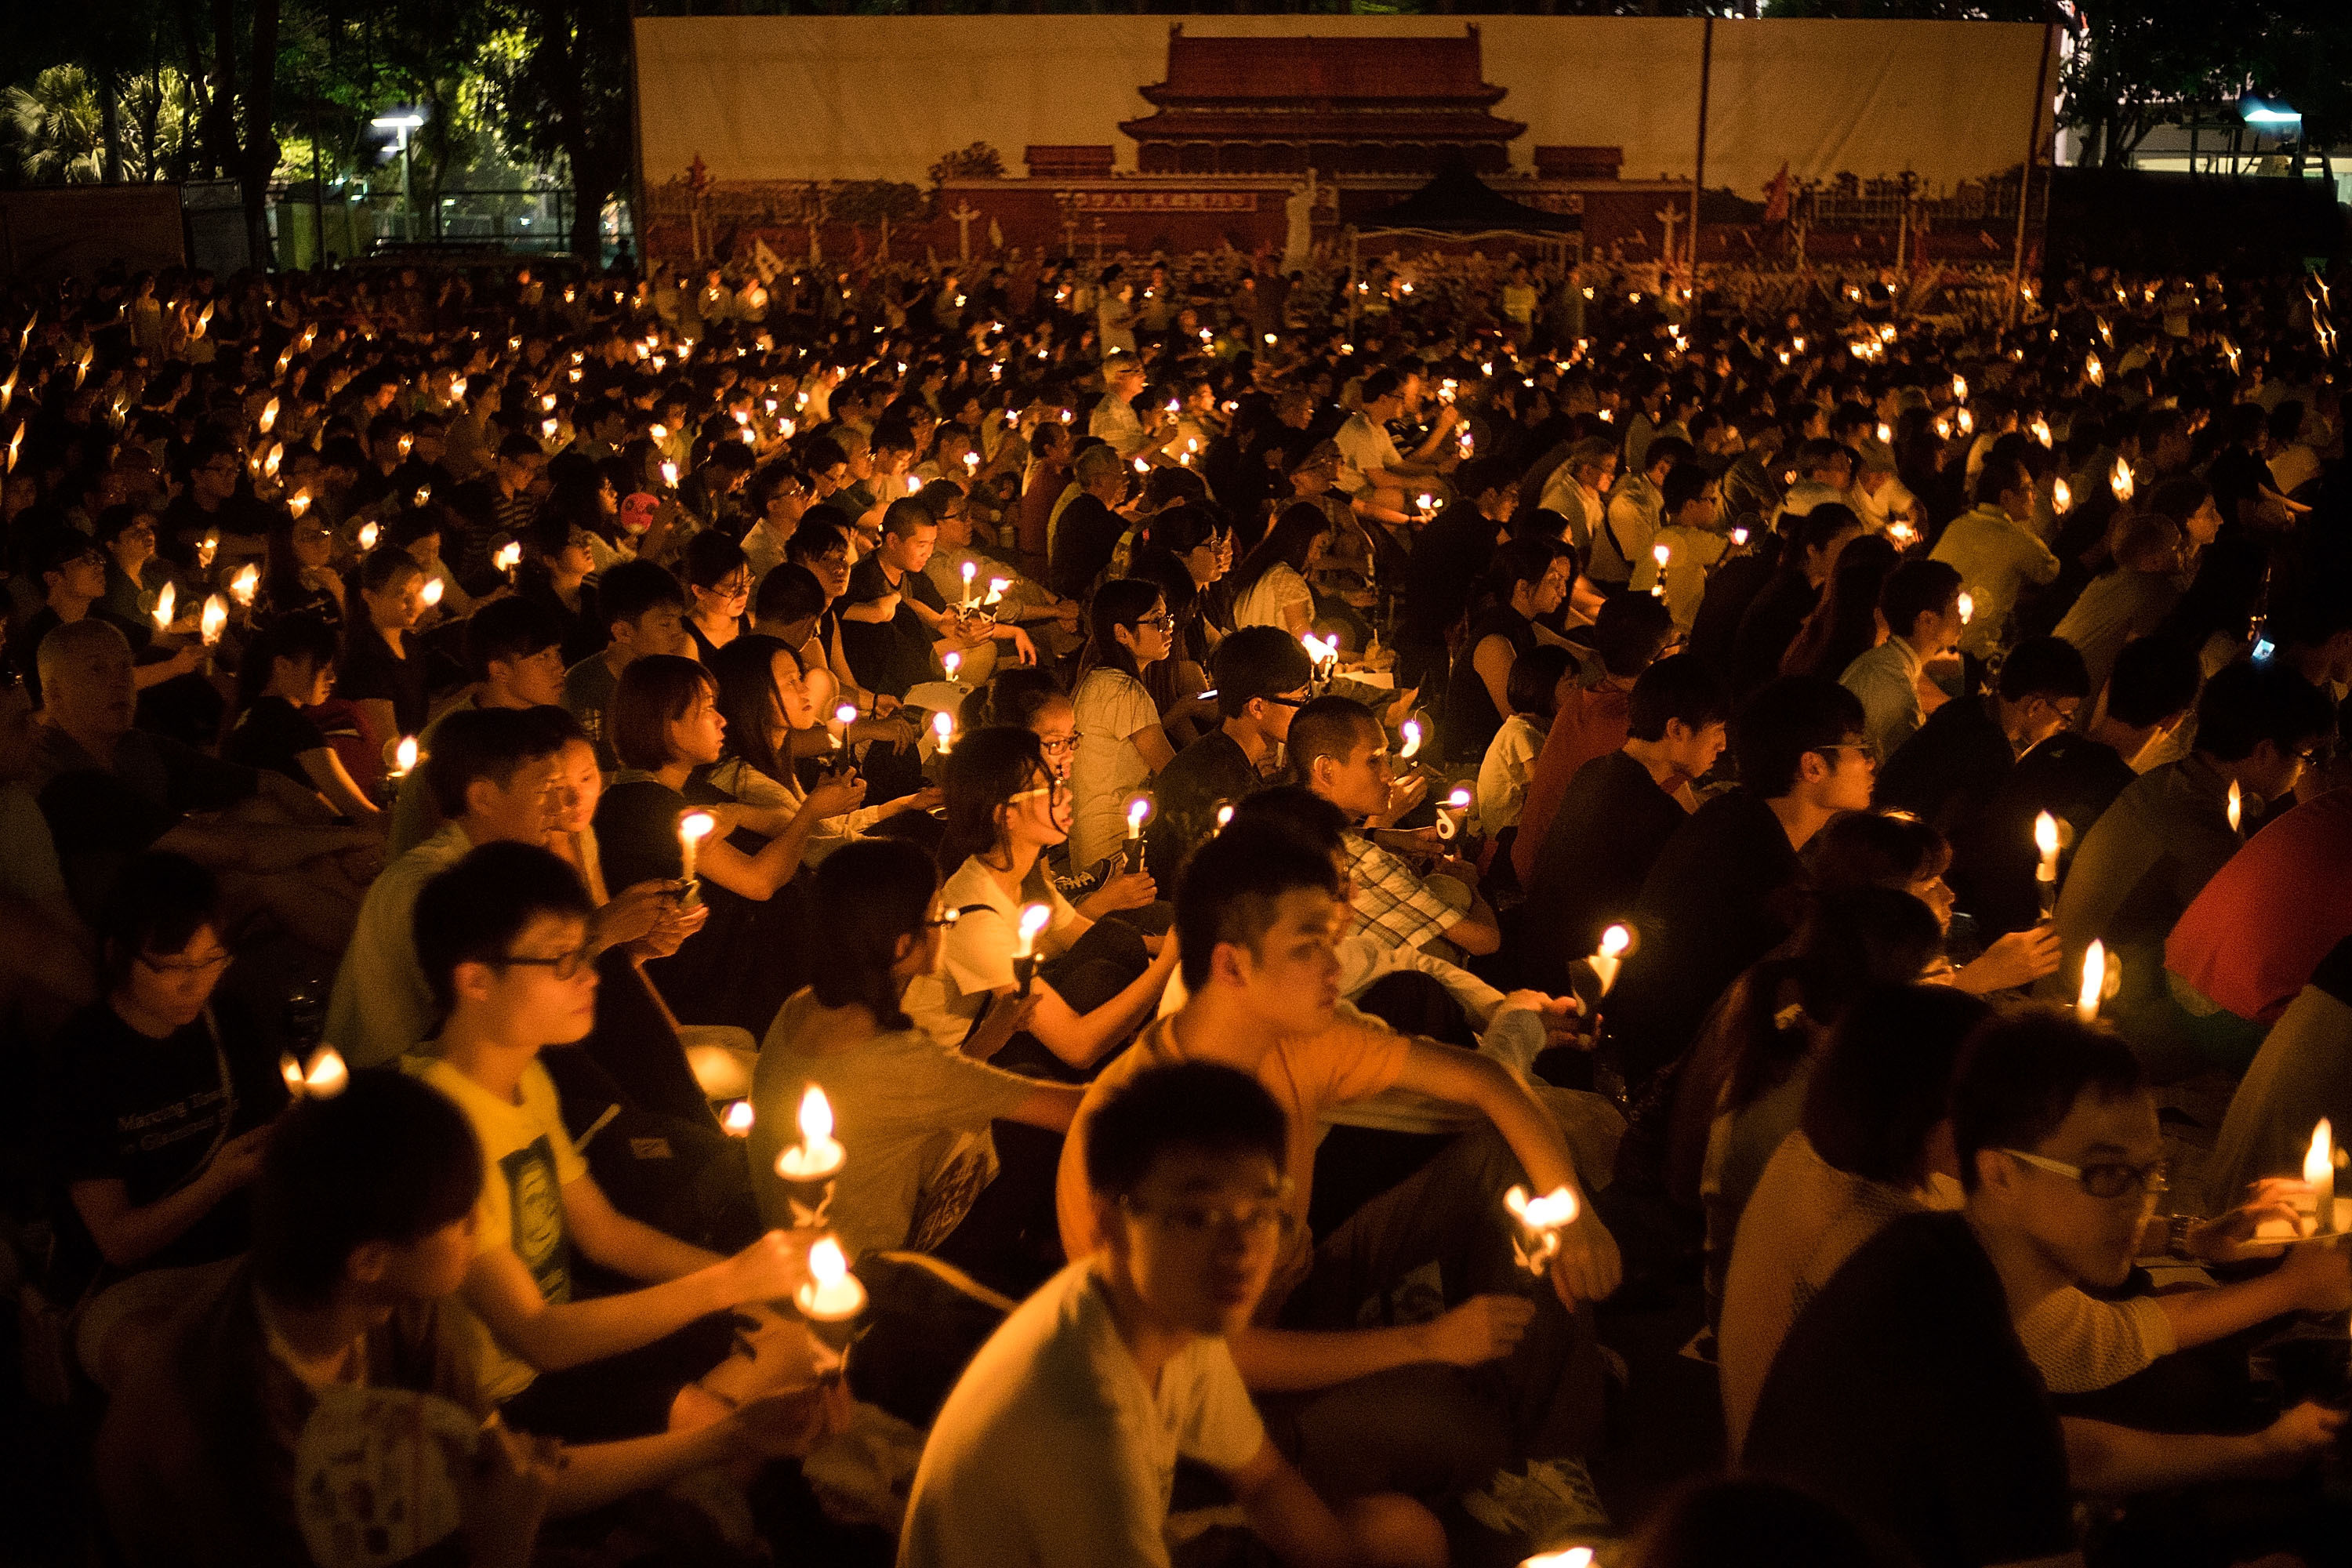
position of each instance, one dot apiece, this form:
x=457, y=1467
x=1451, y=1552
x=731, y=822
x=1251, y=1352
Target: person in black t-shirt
x=160, y=1101
x=1261, y=675
x=894, y=624
x=289, y=668
x=1087, y=532
x=1617, y=816
x=383, y=668
x=1775, y=616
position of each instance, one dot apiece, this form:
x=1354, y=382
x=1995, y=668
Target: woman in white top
x=1269, y=587
x=1122, y=743
x=1005, y=809
x=919, y=1111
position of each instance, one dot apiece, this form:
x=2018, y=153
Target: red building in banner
x=1339, y=106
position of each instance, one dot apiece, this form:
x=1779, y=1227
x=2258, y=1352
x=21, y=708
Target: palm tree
x=58, y=127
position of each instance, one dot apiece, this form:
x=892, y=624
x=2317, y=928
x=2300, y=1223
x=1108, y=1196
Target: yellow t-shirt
x=1305, y=1074
x=527, y=1161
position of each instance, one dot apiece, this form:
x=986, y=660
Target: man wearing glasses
x=211, y=501
x=1261, y=675
x=1912, y=1389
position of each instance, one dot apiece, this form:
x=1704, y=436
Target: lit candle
x=1967, y=606
x=167, y=598
x=403, y=757
x=1738, y=536
x=216, y=616
x=1661, y=554
x=833, y=1294
x=1139, y=812
x=2319, y=1171
x=843, y=717
x=1449, y=814
x=2040, y=429
x=2093, y=371
x=1034, y=917
x=431, y=592
x=547, y=428
x=970, y=570
x=2119, y=479
x=951, y=662
x=670, y=474
x=2061, y=497
x=1959, y=389
x=1568, y=1557
x=2237, y=805
x=816, y=1157
x=1885, y=435
x=996, y=586
x=2094, y=982
x=325, y=1076
x=297, y=503
x=2045, y=875
x=244, y=585
x=692, y=829
x=943, y=729
x=268, y=415
x=1967, y=421
x=1540, y=1220
x=737, y=1121
x=914, y=485
x=1224, y=815
x=1410, y=731
x=422, y=498
x=1610, y=956
x=507, y=558
x=369, y=533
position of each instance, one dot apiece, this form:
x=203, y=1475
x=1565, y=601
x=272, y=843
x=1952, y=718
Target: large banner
x=1549, y=110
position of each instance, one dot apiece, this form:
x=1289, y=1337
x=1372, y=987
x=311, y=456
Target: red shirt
x=1592, y=723
x=2251, y=939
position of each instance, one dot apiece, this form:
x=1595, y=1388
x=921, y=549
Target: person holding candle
x=159, y=1111
x=923, y=1172
x=1005, y=807
x=1270, y=586
x=381, y=672
x=1998, y=551
x=503, y=935
x=513, y=653
x=717, y=577
x=1121, y=741
x=1028, y=697
x=1059, y=1446
x=72, y=573
x=1528, y=579
x=2059, y=1156
x=1920, y=605
x=1695, y=538
x=895, y=623
x=299, y=576
x=1362, y=1410
x=287, y=669
x=2140, y=866
x=1021, y=601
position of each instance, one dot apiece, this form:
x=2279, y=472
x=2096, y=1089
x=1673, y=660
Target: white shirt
x=1363, y=446
x=1111, y=705
x=1053, y=1452
x=977, y=957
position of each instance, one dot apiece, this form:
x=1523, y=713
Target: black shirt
x=1903, y=1396
x=1609, y=830
x=636, y=832
x=1447, y=557
x=369, y=670
x=894, y=655
x=1771, y=625
x=1731, y=590
x=1713, y=903
x=1083, y=543
x=274, y=734
x=1211, y=772
x=1470, y=717
x=150, y=1113
x=2071, y=776
x=1947, y=772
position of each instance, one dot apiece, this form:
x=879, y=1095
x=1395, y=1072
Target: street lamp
x=401, y=125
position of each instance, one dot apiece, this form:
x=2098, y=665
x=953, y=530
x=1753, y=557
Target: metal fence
x=345, y=222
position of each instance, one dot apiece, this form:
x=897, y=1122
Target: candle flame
x=1224, y=815
x=508, y=556
x=246, y=583
x=404, y=755
x=1959, y=389
x=369, y=533
x=433, y=591
x=2045, y=835
x=816, y=1126
x=996, y=586
x=268, y=415
x=2120, y=479
x=1661, y=553
x=695, y=826
x=2319, y=1160
x=2094, y=982
x=166, y=597
x=738, y=1119
x=1460, y=799
x=216, y=616
x=1139, y=812
x=1033, y=920
x=670, y=474
x=2061, y=497
x=325, y=1076
x=1412, y=732
x=845, y=713
x=1615, y=941
x=943, y=727
x=2093, y=371
x=2237, y=805
x=1570, y=1557
x=1554, y=1209
x=826, y=1263
x=1967, y=604
x=951, y=662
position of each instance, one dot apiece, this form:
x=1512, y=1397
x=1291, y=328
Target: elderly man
x=1086, y=530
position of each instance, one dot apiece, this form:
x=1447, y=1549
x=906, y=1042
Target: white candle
x=816, y=1157
x=692, y=829
x=738, y=1119
x=951, y=662
x=670, y=474
x=843, y=716
x=216, y=616
x=1139, y=812
x=943, y=729
x=2045, y=875
x=2319, y=1170
x=1449, y=814
x=833, y=1294
x=2094, y=982
x=1609, y=956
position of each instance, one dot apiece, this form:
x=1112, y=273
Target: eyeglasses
x=1165, y=623
x=1868, y=750
x=212, y=965
x=946, y=920
x=1051, y=789
x=1255, y=1222
x=1285, y=701
x=2106, y=1180
x=1057, y=745
x=563, y=966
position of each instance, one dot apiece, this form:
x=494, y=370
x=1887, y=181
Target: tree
x=560, y=88
x=55, y=121
x=2136, y=63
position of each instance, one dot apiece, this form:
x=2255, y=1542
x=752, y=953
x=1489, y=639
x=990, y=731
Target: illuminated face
x=531, y=989
x=536, y=680
x=579, y=785
x=1290, y=977
x=1056, y=727
x=1198, y=1238
x=795, y=705
x=173, y=987
x=698, y=735
x=1358, y=784
x=2092, y=1239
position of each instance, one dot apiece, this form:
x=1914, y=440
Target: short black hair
x=1297, y=810
x=1328, y=726
x=1193, y=1106
x=472, y=913
x=1684, y=485
x=2021, y=1075
x=1785, y=719
x=1684, y=686
x=2048, y=667
x=1886, y=1081
x=789, y=592
x=1533, y=685
x=1255, y=662
x=2155, y=678
x=1916, y=589
x=627, y=589
x=509, y=630
x=157, y=904
x=1231, y=888
x=471, y=743
x=1628, y=631
x=904, y=516
x=2249, y=703
x=389, y=1159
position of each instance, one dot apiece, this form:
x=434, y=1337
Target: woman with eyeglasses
x=717, y=581
x=161, y=1106
x=665, y=727
x=925, y=1175
x=1121, y=741
x=299, y=576
x=1005, y=807
x=1027, y=698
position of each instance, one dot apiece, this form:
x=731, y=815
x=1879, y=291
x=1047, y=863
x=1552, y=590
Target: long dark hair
x=746, y=672
x=1287, y=543
x=985, y=770
x=1844, y=625
x=1121, y=602
x=289, y=636
x=874, y=892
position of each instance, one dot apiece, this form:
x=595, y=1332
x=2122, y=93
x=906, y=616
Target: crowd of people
x=1108, y=913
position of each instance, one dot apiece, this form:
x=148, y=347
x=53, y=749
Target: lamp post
x=401, y=125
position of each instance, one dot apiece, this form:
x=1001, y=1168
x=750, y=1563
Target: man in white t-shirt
x=1058, y=1447
x=1372, y=470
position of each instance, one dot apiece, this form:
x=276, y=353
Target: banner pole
x=2025, y=173
x=1699, y=165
